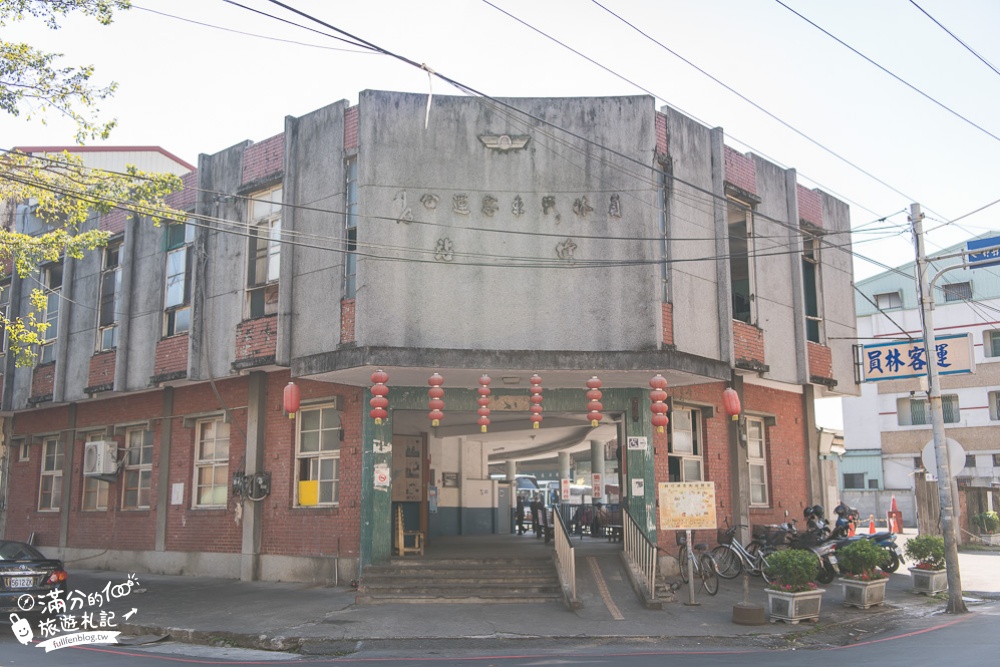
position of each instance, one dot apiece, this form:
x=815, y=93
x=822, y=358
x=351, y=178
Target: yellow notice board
x=687, y=505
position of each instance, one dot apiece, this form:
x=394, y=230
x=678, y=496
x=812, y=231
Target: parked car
x=24, y=570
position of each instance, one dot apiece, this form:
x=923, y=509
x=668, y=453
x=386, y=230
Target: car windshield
x=18, y=551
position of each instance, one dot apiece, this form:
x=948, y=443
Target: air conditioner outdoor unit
x=99, y=458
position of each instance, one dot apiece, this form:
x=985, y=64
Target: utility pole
x=956, y=605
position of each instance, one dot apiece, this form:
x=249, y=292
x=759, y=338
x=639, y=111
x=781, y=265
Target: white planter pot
x=992, y=539
x=794, y=607
x=864, y=594
x=928, y=582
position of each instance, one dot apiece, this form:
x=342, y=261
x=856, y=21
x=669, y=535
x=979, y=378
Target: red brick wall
x=256, y=338
x=748, y=342
x=313, y=531
x=102, y=369
x=347, y=321
x=667, y=316
x=23, y=516
x=741, y=171
x=820, y=360
x=286, y=530
x=810, y=206
x=264, y=159
x=351, y=129
x=184, y=199
x=786, y=453
x=42, y=380
x=113, y=222
x=171, y=355
x=661, y=134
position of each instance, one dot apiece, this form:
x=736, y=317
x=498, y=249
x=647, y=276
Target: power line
x=956, y=38
x=892, y=74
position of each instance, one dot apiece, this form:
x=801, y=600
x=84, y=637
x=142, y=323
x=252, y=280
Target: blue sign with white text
x=990, y=257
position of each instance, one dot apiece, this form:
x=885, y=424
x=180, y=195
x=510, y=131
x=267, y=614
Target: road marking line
x=602, y=587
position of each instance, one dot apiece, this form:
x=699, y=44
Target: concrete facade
x=573, y=237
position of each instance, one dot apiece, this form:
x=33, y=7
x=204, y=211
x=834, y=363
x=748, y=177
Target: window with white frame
x=138, y=469
x=52, y=288
x=917, y=412
x=264, y=252
x=684, y=447
x=318, y=451
x=177, y=292
x=211, y=465
x=23, y=447
x=994, y=401
x=109, y=309
x=957, y=292
x=351, y=228
x=95, y=491
x=888, y=300
x=50, y=484
x=991, y=343
x=757, y=461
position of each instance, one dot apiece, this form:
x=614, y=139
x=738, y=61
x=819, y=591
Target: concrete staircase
x=461, y=580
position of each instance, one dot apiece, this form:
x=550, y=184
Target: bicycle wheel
x=682, y=561
x=730, y=565
x=709, y=574
x=762, y=556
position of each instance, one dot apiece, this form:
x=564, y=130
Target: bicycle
x=733, y=558
x=704, y=566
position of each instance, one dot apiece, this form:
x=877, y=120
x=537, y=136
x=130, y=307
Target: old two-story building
x=487, y=241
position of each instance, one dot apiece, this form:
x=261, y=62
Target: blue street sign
x=986, y=258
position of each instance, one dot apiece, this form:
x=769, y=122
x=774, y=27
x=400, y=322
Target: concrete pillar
x=127, y=260
x=597, y=466
x=798, y=289
x=511, y=470
x=253, y=511
x=564, y=465
x=724, y=305
x=163, y=481
x=739, y=472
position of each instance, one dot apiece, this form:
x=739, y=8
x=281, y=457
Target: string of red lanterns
x=594, y=406
x=379, y=402
x=484, y=402
x=536, y=400
x=657, y=406
x=435, y=393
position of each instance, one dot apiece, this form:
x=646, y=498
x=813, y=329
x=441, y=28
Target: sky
x=197, y=76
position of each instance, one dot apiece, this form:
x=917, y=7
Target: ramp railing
x=565, y=558
x=641, y=554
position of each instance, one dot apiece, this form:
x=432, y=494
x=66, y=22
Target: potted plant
x=928, y=572
x=989, y=527
x=793, y=595
x=864, y=582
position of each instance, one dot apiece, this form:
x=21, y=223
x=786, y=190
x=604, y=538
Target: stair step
x=430, y=598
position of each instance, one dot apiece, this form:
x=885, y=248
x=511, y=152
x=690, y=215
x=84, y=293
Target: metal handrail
x=565, y=556
x=640, y=551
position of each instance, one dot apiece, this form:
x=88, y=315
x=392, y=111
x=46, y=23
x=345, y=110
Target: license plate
x=833, y=559
x=22, y=582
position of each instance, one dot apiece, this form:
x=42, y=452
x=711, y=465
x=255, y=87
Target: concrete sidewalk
x=310, y=619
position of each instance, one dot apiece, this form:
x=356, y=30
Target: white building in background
x=889, y=424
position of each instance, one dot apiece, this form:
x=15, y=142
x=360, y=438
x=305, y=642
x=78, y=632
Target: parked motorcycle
x=843, y=531
x=816, y=538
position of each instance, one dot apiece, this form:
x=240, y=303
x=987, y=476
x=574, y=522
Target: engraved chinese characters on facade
x=615, y=207
x=565, y=250
x=443, y=251
x=517, y=208
x=490, y=205
x=404, y=213
x=430, y=201
x=582, y=207
x=549, y=206
x=460, y=204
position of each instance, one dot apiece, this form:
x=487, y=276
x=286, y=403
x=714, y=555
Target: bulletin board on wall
x=408, y=462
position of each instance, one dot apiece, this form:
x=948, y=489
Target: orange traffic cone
x=871, y=524
x=892, y=506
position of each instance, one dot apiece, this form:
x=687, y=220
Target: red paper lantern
x=657, y=406
x=731, y=403
x=484, y=402
x=536, y=400
x=594, y=406
x=379, y=402
x=292, y=398
x=435, y=393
